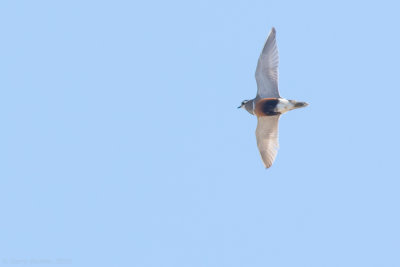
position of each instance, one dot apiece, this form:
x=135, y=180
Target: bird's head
x=243, y=103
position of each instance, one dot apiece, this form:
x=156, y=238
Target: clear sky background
x=121, y=143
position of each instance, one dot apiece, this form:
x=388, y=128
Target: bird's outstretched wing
x=267, y=138
x=267, y=69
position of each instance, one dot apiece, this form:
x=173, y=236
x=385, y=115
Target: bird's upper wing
x=267, y=138
x=267, y=69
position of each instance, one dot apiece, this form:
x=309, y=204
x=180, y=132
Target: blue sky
x=121, y=143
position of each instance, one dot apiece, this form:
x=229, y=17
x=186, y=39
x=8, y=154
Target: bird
x=268, y=105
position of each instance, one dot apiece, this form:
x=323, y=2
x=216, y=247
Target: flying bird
x=268, y=105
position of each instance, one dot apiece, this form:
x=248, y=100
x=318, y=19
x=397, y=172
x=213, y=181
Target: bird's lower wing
x=267, y=138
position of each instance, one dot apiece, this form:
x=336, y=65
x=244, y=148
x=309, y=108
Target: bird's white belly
x=284, y=106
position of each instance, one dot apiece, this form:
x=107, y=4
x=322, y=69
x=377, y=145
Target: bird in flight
x=268, y=105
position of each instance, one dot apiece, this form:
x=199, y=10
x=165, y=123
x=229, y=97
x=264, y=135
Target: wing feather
x=267, y=69
x=267, y=138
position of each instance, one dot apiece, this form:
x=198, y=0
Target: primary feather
x=267, y=69
x=267, y=138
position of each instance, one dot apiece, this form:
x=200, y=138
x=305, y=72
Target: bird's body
x=271, y=106
x=268, y=105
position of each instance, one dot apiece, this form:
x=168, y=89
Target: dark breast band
x=266, y=107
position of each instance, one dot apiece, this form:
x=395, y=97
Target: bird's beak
x=239, y=106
